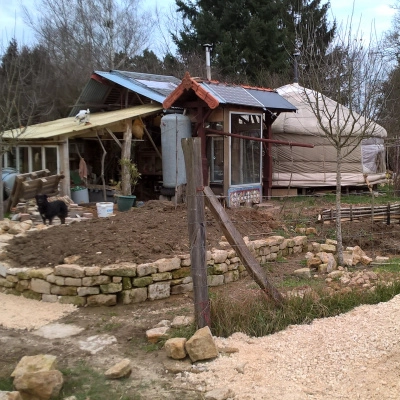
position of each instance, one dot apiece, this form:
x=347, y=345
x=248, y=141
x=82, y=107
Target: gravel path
x=17, y=312
x=352, y=356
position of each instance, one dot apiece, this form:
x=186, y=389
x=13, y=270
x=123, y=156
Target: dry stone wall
x=134, y=283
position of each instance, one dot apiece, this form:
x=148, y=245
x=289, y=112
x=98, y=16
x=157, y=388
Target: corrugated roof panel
x=148, y=77
x=271, y=100
x=233, y=94
x=93, y=92
x=132, y=85
x=68, y=126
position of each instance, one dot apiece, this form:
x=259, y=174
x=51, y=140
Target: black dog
x=49, y=210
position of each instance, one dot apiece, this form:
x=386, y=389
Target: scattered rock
x=120, y=370
x=201, y=345
x=175, y=348
x=41, y=385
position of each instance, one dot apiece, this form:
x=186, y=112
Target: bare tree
x=343, y=91
x=19, y=101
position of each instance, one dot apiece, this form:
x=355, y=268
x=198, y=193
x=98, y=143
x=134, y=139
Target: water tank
x=174, y=127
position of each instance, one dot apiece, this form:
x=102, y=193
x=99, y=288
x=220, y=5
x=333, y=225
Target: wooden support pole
x=197, y=231
x=236, y=241
x=126, y=154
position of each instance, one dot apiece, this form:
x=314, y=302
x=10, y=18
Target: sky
x=367, y=14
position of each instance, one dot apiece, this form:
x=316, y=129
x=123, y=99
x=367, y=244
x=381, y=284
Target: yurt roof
x=304, y=120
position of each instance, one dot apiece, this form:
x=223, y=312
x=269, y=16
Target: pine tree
x=250, y=36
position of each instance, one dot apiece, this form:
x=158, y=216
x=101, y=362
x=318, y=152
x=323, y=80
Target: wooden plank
x=236, y=241
x=197, y=232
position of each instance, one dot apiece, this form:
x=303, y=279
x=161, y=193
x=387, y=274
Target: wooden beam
x=197, y=232
x=236, y=241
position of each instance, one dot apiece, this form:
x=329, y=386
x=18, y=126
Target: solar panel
x=234, y=95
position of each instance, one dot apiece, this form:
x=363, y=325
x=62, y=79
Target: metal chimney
x=208, y=60
x=296, y=54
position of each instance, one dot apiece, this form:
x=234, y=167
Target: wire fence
x=370, y=220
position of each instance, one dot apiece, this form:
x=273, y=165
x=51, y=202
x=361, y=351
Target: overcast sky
x=369, y=12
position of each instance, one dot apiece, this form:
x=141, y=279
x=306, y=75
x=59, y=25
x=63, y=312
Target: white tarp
x=316, y=167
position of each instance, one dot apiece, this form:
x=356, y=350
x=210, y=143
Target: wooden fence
x=389, y=213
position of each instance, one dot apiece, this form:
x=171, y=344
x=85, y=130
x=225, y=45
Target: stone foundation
x=128, y=283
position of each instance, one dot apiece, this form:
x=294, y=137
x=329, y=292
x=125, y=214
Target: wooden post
x=197, y=231
x=236, y=241
x=388, y=214
x=126, y=154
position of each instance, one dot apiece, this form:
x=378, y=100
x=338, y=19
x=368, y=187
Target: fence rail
x=389, y=213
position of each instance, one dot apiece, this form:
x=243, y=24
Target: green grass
x=293, y=282
x=253, y=315
x=392, y=266
x=6, y=384
x=84, y=382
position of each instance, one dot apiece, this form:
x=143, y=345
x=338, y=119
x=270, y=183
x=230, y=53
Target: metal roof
x=271, y=100
x=215, y=93
x=68, y=126
x=248, y=96
x=155, y=87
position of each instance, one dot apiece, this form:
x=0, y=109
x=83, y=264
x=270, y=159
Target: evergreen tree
x=250, y=36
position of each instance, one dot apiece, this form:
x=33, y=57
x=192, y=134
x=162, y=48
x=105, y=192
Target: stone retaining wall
x=134, y=283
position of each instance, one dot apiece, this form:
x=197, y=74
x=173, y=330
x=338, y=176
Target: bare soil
x=351, y=356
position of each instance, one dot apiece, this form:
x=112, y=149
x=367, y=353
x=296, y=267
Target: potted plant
x=130, y=178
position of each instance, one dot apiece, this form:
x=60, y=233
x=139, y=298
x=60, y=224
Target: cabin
x=234, y=123
x=143, y=117
x=125, y=109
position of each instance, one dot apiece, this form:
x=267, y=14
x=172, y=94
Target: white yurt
x=301, y=167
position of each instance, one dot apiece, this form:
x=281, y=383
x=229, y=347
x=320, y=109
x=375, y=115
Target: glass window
x=37, y=162
x=23, y=160
x=245, y=153
x=51, y=159
x=217, y=160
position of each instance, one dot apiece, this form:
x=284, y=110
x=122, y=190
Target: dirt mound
x=144, y=234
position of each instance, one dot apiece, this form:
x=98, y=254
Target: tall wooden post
x=197, y=230
x=126, y=154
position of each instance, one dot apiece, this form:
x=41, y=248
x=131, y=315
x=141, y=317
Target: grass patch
x=84, y=382
x=392, y=266
x=6, y=384
x=293, y=282
x=249, y=312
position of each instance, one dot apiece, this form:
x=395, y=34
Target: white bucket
x=104, y=209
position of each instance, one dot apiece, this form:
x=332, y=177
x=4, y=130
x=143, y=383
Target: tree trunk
x=126, y=154
x=339, y=237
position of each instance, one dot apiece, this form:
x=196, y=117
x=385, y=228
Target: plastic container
x=125, y=203
x=80, y=196
x=104, y=209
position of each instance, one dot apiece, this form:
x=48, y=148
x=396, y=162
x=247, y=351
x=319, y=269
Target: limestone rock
x=201, y=345
x=155, y=334
x=219, y=256
x=164, y=264
x=119, y=370
x=381, y=260
x=175, y=348
x=302, y=272
x=358, y=253
x=72, y=259
x=72, y=270
x=41, y=385
x=328, y=248
x=10, y=395
x=31, y=364
x=219, y=394
x=180, y=321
